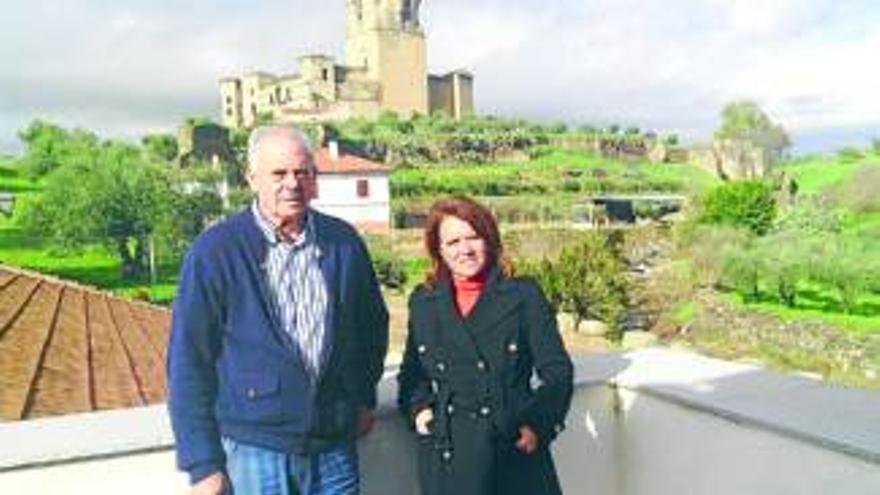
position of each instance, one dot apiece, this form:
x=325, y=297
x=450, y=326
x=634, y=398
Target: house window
x=363, y=188
x=324, y=74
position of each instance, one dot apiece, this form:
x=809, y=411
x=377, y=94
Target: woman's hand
x=423, y=421
x=528, y=440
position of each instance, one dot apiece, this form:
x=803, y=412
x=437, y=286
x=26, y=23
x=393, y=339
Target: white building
x=354, y=189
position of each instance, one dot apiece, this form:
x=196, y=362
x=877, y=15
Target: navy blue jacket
x=233, y=371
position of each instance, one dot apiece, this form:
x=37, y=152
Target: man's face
x=282, y=177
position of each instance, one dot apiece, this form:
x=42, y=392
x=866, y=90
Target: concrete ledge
x=832, y=418
x=77, y=437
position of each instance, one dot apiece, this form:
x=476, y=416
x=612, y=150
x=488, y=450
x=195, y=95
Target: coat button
x=421, y=349
x=251, y=393
x=447, y=455
x=485, y=410
x=450, y=409
x=481, y=365
x=512, y=347
x=441, y=367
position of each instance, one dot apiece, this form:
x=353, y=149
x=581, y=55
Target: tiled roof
x=346, y=164
x=66, y=348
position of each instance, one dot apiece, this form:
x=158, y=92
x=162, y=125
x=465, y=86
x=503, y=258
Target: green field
x=95, y=265
x=815, y=173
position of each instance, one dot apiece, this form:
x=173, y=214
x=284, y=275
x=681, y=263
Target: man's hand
x=216, y=484
x=366, y=421
x=528, y=440
x=423, y=421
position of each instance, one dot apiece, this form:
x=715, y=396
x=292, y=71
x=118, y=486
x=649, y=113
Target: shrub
x=706, y=248
x=850, y=154
x=785, y=263
x=848, y=268
x=547, y=275
x=592, y=283
x=390, y=270
x=742, y=269
x=750, y=204
x=813, y=215
x=587, y=280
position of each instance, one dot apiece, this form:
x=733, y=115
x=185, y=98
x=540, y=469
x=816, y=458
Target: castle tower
x=384, y=38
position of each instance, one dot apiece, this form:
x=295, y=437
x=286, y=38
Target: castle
x=385, y=70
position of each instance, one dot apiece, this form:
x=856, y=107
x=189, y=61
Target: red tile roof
x=346, y=164
x=66, y=348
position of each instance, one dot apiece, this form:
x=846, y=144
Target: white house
x=353, y=188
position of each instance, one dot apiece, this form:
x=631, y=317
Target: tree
x=49, y=145
x=160, y=147
x=119, y=199
x=785, y=261
x=748, y=203
x=592, y=282
x=745, y=123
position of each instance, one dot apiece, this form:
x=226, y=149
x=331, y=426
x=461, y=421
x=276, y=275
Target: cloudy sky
x=128, y=67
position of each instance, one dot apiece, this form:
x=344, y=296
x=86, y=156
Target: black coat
x=476, y=375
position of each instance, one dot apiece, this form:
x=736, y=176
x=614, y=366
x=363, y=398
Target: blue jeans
x=258, y=471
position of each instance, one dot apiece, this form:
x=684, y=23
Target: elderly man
x=278, y=337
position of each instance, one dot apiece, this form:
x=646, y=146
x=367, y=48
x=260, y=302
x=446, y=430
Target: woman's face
x=461, y=248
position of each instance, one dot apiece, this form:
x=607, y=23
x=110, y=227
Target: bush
x=785, y=263
x=847, y=267
x=750, y=204
x=592, y=283
x=390, y=270
x=812, y=215
x=706, y=247
x=742, y=270
x=547, y=275
x=850, y=154
x=587, y=280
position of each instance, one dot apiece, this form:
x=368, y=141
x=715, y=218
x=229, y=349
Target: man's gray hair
x=255, y=140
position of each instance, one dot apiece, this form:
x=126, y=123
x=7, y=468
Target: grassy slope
x=815, y=175
x=550, y=167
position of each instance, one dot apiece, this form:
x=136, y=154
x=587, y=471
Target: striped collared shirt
x=294, y=276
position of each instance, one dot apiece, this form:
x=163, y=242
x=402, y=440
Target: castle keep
x=385, y=70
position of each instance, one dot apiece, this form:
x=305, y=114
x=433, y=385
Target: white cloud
x=136, y=66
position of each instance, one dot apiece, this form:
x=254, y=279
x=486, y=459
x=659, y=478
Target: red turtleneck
x=467, y=292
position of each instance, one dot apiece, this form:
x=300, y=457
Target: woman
x=476, y=334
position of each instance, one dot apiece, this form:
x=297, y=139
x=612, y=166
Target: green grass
x=94, y=266
x=815, y=173
x=815, y=304
x=12, y=178
x=684, y=313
